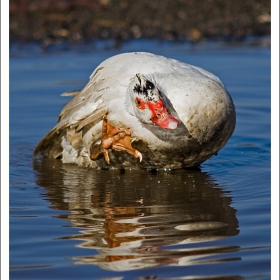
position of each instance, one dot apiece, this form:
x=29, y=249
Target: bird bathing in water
x=143, y=110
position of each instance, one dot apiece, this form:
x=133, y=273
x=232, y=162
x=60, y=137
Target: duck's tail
x=50, y=145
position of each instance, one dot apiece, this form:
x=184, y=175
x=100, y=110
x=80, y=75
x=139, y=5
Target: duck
x=143, y=110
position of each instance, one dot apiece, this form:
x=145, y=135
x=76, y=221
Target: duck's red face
x=149, y=105
x=159, y=113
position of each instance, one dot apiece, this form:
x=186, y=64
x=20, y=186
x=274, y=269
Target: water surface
x=68, y=222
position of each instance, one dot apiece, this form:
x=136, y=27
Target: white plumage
x=193, y=96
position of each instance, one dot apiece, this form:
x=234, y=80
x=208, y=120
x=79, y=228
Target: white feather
x=196, y=97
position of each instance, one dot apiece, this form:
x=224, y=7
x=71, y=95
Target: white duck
x=177, y=115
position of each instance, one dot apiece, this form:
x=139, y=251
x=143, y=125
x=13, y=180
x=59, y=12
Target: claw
x=139, y=155
x=114, y=138
x=106, y=155
x=124, y=144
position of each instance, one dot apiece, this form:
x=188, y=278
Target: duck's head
x=147, y=103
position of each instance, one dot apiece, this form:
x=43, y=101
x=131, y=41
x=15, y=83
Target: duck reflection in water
x=137, y=219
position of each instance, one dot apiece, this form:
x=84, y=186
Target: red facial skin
x=160, y=114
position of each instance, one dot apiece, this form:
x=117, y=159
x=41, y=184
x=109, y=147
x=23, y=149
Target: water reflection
x=137, y=219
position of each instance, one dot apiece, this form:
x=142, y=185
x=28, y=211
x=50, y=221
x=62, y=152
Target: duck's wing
x=108, y=82
x=88, y=105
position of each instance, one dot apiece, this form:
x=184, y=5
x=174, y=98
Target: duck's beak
x=165, y=120
x=161, y=116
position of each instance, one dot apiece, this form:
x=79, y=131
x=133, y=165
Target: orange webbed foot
x=115, y=138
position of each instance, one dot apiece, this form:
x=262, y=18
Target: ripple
x=133, y=221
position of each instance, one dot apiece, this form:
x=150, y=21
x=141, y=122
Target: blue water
x=68, y=222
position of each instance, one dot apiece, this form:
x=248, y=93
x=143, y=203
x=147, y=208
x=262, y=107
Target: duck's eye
x=138, y=103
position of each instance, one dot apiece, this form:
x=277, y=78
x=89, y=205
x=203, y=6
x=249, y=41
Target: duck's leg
x=114, y=138
x=124, y=144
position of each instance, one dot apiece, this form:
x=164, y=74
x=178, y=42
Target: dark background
x=195, y=20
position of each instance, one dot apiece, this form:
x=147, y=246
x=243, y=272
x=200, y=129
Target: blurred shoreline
x=28, y=49
x=78, y=22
